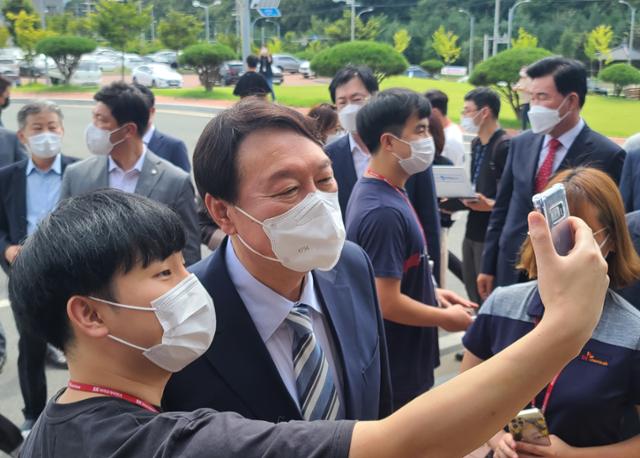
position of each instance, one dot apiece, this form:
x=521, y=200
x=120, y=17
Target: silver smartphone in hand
x=552, y=203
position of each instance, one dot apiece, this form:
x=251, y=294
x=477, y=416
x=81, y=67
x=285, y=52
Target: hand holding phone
x=530, y=426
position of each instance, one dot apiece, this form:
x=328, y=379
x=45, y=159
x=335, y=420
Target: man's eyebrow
x=289, y=173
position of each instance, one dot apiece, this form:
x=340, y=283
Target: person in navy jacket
x=559, y=139
x=259, y=194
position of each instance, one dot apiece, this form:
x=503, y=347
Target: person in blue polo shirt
x=588, y=404
x=380, y=218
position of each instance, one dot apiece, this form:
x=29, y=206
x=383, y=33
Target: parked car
x=230, y=72
x=10, y=69
x=132, y=61
x=286, y=63
x=87, y=73
x=595, y=88
x=305, y=69
x=157, y=75
x=166, y=56
x=415, y=71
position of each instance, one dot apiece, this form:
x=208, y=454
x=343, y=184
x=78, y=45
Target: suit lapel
x=17, y=203
x=350, y=166
x=153, y=141
x=338, y=305
x=149, y=175
x=580, y=147
x=250, y=372
x=532, y=160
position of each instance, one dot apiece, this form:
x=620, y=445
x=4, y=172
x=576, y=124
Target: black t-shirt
x=109, y=427
x=383, y=223
x=251, y=83
x=487, y=163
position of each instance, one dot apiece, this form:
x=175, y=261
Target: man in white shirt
x=454, y=141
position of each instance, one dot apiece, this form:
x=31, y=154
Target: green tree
x=118, y=23
x=446, y=45
x=14, y=7
x=340, y=30
x=620, y=75
x=206, y=59
x=380, y=57
x=432, y=65
x=230, y=40
x=597, y=47
x=401, y=40
x=524, y=40
x=68, y=24
x=66, y=51
x=179, y=30
x=502, y=71
x=27, y=33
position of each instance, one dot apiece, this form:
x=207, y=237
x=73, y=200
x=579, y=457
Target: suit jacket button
x=154, y=171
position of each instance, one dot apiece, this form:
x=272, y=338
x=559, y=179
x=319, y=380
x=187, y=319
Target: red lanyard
x=550, y=387
x=404, y=196
x=113, y=393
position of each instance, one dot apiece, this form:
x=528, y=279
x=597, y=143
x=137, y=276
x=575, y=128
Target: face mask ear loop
x=255, y=251
x=124, y=306
x=128, y=344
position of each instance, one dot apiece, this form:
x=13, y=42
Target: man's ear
x=219, y=211
x=22, y=137
x=386, y=142
x=85, y=317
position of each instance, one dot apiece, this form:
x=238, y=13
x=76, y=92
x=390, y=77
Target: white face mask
x=544, y=119
x=308, y=236
x=347, y=117
x=604, y=241
x=99, y=140
x=188, y=319
x=423, y=152
x=468, y=124
x=45, y=145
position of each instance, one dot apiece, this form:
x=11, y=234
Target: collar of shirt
x=137, y=166
x=568, y=137
x=148, y=134
x=360, y=157
x=267, y=308
x=56, y=167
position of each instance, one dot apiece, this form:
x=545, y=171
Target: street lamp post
x=197, y=4
x=512, y=12
x=472, y=21
x=365, y=11
x=352, y=4
x=633, y=23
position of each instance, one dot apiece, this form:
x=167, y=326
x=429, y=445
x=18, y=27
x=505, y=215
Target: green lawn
x=611, y=116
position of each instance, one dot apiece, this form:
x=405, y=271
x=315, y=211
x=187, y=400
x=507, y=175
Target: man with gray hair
x=29, y=190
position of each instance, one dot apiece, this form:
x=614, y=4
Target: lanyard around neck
x=111, y=393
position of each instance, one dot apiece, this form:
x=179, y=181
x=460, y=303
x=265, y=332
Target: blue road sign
x=269, y=12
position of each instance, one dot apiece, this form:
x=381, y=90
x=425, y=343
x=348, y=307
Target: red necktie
x=546, y=170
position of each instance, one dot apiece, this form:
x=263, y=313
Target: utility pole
x=633, y=23
x=244, y=15
x=496, y=28
x=353, y=19
x=472, y=21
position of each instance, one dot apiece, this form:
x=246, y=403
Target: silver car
x=286, y=63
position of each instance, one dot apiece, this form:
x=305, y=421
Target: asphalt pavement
x=184, y=122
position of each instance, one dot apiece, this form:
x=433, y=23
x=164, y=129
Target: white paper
x=452, y=182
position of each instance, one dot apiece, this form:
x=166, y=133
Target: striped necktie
x=317, y=394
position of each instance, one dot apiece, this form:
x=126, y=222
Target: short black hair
x=569, y=75
x=215, y=159
x=78, y=249
x=388, y=111
x=4, y=83
x=252, y=61
x=127, y=104
x=147, y=93
x=346, y=74
x=438, y=100
x=485, y=97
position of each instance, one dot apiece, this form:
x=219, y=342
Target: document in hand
x=452, y=182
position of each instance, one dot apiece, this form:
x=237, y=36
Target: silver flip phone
x=552, y=203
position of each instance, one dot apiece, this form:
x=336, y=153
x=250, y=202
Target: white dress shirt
x=360, y=158
x=453, y=144
x=566, y=140
x=125, y=180
x=148, y=134
x=269, y=310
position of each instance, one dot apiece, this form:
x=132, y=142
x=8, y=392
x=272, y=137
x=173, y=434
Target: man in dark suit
x=559, y=139
x=122, y=161
x=632, y=293
x=630, y=181
x=350, y=89
x=299, y=330
x=11, y=150
x=163, y=145
x=29, y=190
x=5, y=92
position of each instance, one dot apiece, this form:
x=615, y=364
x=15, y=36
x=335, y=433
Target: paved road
x=185, y=123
